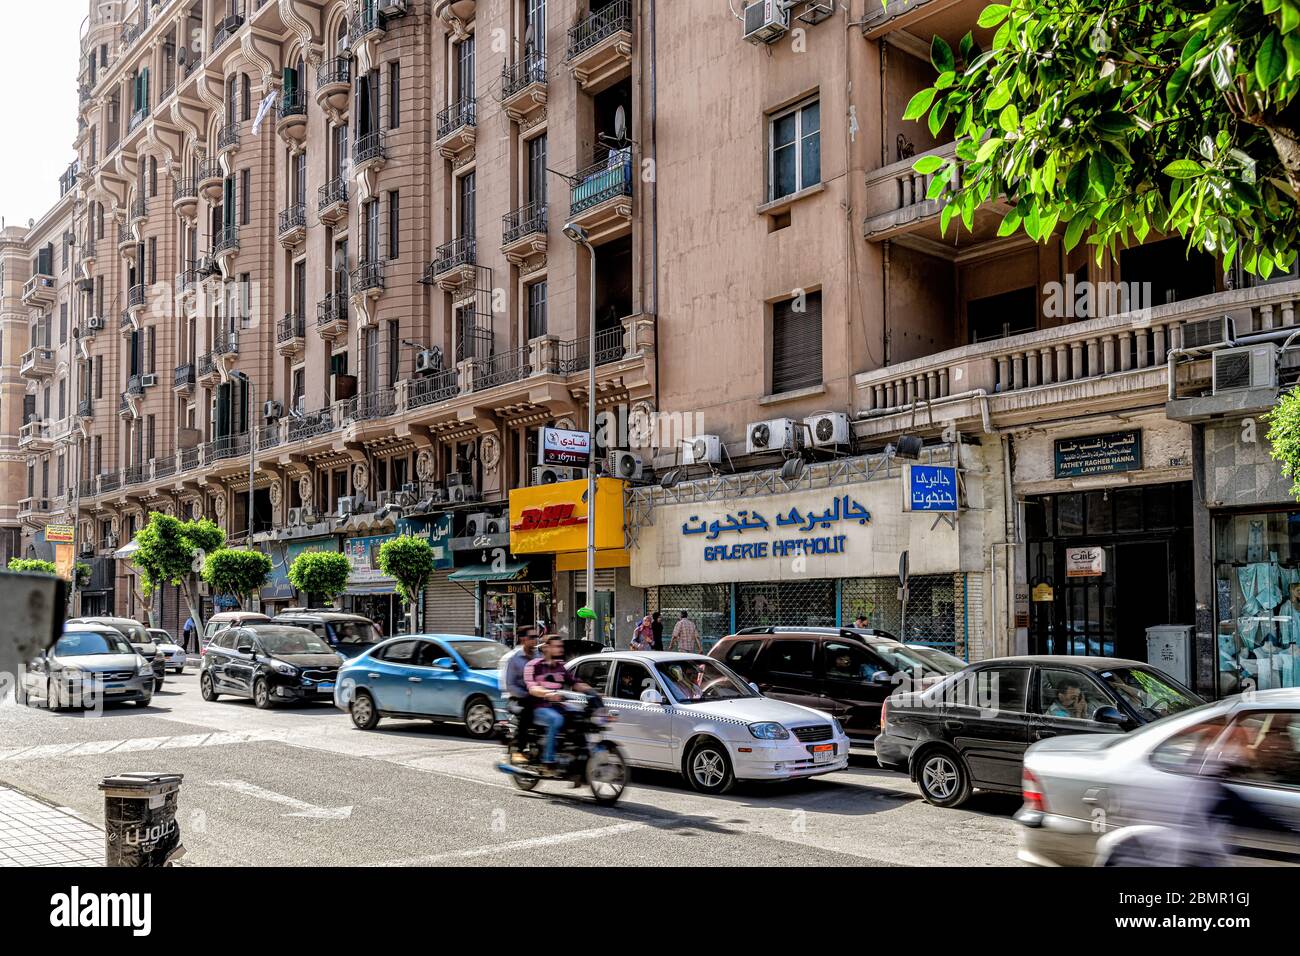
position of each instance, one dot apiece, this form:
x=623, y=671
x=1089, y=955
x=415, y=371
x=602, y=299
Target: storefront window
x=930, y=617
x=1257, y=597
x=506, y=608
x=709, y=606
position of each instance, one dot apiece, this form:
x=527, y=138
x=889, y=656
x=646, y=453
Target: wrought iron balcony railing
x=603, y=23
x=524, y=221
x=370, y=147
x=333, y=71
x=295, y=217
x=295, y=104
x=289, y=328
x=502, y=368
x=431, y=389
x=369, y=274
x=336, y=190
x=461, y=113
x=601, y=181
x=461, y=251
x=523, y=73
x=228, y=136
x=572, y=355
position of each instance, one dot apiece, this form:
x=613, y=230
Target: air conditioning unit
x=1250, y=366
x=778, y=434
x=296, y=517
x=828, y=430
x=459, y=494
x=148, y=380
x=409, y=496
x=702, y=449
x=346, y=504
x=110, y=540
x=1203, y=332
x=455, y=479
x=626, y=465
x=392, y=9
x=273, y=411
x=87, y=547
x=94, y=324
x=385, y=498
x=484, y=522
x=550, y=474
x=766, y=21
x=428, y=362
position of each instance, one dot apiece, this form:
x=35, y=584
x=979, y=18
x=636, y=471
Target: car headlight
x=769, y=730
x=839, y=728
x=144, y=667
x=288, y=670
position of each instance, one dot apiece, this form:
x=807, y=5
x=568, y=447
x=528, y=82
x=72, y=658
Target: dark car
x=580, y=647
x=138, y=635
x=269, y=663
x=349, y=634
x=846, y=672
x=971, y=730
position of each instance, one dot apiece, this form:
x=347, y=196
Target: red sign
x=551, y=516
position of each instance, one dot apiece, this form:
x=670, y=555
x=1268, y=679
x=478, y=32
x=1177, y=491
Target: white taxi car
x=692, y=714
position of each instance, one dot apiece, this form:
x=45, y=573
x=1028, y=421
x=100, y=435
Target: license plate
x=823, y=753
x=325, y=685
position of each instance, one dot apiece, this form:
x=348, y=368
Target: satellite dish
x=620, y=124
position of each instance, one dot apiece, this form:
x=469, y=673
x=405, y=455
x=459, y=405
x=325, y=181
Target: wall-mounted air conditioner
x=459, y=494
x=273, y=411
x=428, y=362
x=777, y=434
x=702, y=450
x=484, y=522
x=828, y=430
x=346, y=505
x=766, y=21
x=550, y=474
x=626, y=465
x=1203, y=332
x=1250, y=366
x=148, y=380
x=94, y=324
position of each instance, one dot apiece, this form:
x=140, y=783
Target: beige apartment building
x=331, y=234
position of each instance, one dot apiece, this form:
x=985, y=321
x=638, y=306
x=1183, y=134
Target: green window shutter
x=290, y=78
x=228, y=202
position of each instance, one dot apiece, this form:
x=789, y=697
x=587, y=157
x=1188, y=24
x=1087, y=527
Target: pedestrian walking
x=188, y=631
x=657, y=631
x=686, y=637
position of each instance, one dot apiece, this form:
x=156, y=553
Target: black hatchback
x=269, y=663
x=971, y=730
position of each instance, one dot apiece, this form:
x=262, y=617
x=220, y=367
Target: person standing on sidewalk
x=686, y=637
x=187, y=636
x=657, y=631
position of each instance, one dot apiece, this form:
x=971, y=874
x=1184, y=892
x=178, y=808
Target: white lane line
x=596, y=833
x=301, y=808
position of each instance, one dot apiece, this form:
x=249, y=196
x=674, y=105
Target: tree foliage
x=32, y=565
x=166, y=553
x=408, y=560
x=1113, y=119
x=320, y=572
x=237, y=573
x=1284, y=437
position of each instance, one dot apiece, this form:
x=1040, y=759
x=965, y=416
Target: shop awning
x=487, y=572
x=130, y=548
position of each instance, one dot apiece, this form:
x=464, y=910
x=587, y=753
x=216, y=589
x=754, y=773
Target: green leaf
x=918, y=104
x=945, y=217
x=1010, y=223
x=945, y=80
x=988, y=148
x=1270, y=60
x=999, y=98
x=1114, y=121
x=1290, y=16
x=1177, y=84
x=941, y=55
x=1101, y=174
x=1076, y=182
x=938, y=116
x=1183, y=169
x=1291, y=44
x=1009, y=118
x=1193, y=46
x=925, y=165
x=993, y=14
x=1074, y=230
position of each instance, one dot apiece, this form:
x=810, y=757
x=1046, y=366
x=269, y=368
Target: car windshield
x=355, y=632
x=161, y=637
x=291, y=640
x=88, y=643
x=480, y=655
x=135, y=633
x=917, y=661
x=1152, y=694
x=691, y=681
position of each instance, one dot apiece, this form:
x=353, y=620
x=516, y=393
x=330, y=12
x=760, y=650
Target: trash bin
x=140, y=819
x=1169, y=647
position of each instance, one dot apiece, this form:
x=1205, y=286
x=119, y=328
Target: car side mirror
x=651, y=696
x=754, y=687
x=446, y=664
x=1110, y=715
x=245, y=648
x=881, y=678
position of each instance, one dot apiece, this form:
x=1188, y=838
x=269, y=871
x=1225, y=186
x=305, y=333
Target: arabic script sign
x=930, y=488
x=560, y=446
x=1099, y=454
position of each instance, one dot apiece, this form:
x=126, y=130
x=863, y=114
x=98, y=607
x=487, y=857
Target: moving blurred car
x=87, y=664
x=439, y=677
x=138, y=635
x=1163, y=794
x=692, y=714
x=971, y=730
x=349, y=634
x=847, y=672
x=269, y=663
x=175, y=654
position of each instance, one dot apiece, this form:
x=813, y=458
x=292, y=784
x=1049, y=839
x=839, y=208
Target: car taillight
x=884, y=713
x=1032, y=791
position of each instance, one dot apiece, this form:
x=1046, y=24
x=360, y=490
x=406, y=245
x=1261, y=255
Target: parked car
x=219, y=622
x=349, y=634
x=580, y=646
x=175, y=654
x=439, y=677
x=1142, y=798
x=694, y=715
x=86, y=661
x=138, y=635
x=847, y=672
x=971, y=730
x=269, y=663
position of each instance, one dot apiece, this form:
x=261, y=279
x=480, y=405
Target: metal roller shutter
x=797, y=344
x=448, y=607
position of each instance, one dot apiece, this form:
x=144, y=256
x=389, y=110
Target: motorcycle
x=581, y=756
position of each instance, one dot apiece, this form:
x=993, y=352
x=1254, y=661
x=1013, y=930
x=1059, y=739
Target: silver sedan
x=1216, y=785
x=89, y=665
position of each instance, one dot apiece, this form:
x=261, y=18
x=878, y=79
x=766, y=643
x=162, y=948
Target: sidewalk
x=33, y=833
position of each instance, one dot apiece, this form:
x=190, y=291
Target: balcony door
x=465, y=197
x=537, y=169
x=535, y=18
x=465, y=69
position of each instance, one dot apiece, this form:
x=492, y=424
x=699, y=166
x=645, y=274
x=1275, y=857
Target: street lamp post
x=579, y=235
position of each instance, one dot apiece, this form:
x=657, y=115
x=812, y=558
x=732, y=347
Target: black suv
x=269, y=663
x=846, y=672
x=349, y=634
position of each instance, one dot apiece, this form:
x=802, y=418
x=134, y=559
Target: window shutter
x=290, y=77
x=228, y=203
x=797, y=344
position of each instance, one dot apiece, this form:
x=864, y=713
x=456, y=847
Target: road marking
x=301, y=807
x=596, y=833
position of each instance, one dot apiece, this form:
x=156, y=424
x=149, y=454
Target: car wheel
x=261, y=694
x=144, y=702
x=708, y=768
x=206, y=690
x=943, y=778
x=364, y=713
x=480, y=718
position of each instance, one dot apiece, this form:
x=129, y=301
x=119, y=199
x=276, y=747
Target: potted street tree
x=409, y=561
x=237, y=573
x=323, y=573
x=171, y=551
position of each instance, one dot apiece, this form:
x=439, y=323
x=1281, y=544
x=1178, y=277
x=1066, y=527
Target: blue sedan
x=439, y=677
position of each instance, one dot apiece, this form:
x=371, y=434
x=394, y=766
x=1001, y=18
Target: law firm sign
x=1099, y=454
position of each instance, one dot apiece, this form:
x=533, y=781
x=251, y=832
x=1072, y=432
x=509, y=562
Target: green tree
x=237, y=573
x=170, y=552
x=320, y=572
x=32, y=565
x=1113, y=119
x=409, y=561
x=1284, y=437
x=82, y=572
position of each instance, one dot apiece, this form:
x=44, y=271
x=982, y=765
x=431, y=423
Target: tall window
x=535, y=16
x=537, y=169
x=794, y=149
x=300, y=288
x=394, y=352
x=465, y=68
x=245, y=99
x=537, y=309
x=394, y=224
x=797, y=343
x=372, y=230
x=394, y=95
x=245, y=197
x=465, y=205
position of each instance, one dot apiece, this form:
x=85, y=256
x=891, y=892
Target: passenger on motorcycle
x=545, y=677
x=521, y=703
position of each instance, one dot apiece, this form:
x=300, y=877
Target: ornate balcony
x=211, y=180
x=40, y=290
x=367, y=24
x=224, y=245
x=432, y=389
x=332, y=316
x=226, y=29
x=600, y=196
x=127, y=245
x=33, y=509
x=523, y=86
x=35, y=437
x=183, y=379
x=292, y=123
x=456, y=129
x=228, y=139
x=38, y=363
x=523, y=232
x=332, y=201
x=135, y=303
x=207, y=372
x=290, y=335
x=611, y=346
x=366, y=285
x=334, y=86
x=311, y=425
x=502, y=368
x=453, y=264
x=600, y=47
x=293, y=225
x=185, y=197
x=85, y=409
x=139, y=211
x=371, y=152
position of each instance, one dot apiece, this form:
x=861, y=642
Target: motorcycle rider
x=521, y=703
x=545, y=677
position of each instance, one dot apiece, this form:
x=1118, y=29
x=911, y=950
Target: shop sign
x=59, y=533
x=930, y=488
x=1099, y=454
x=363, y=555
x=282, y=555
x=1043, y=592
x=1085, y=562
x=560, y=446
x=440, y=541
x=551, y=519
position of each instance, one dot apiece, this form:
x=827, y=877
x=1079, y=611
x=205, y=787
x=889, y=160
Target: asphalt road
x=300, y=785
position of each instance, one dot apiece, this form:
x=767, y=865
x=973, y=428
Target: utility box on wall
x=1169, y=648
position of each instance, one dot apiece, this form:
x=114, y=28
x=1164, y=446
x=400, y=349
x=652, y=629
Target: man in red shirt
x=545, y=676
